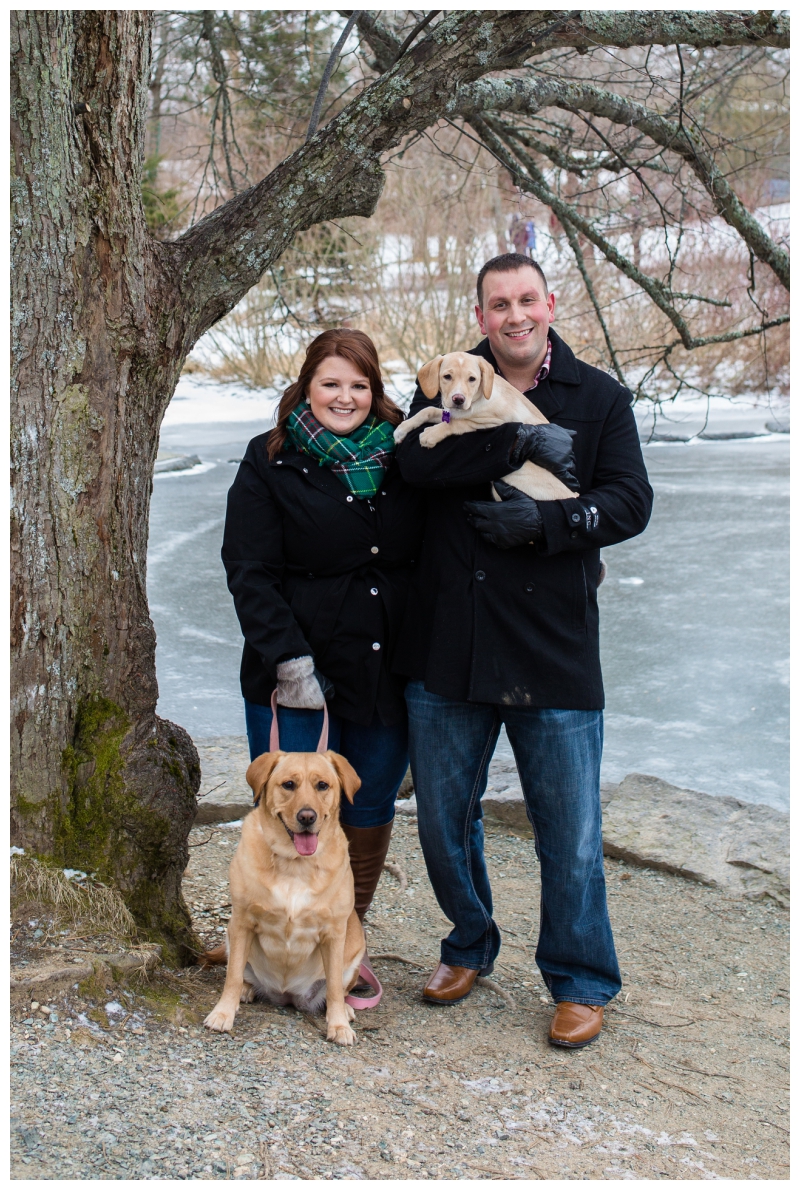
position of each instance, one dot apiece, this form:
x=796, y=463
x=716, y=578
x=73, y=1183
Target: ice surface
x=695, y=656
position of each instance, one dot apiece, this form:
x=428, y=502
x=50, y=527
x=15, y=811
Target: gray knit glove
x=297, y=686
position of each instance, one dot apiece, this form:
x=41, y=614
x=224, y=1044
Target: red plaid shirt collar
x=544, y=371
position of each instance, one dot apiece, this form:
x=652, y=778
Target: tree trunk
x=99, y=781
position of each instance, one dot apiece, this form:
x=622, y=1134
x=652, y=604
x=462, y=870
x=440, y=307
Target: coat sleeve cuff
x=560, y=530
x=463, y=460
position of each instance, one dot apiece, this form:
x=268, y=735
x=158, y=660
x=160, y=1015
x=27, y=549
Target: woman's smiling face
x=339, y=395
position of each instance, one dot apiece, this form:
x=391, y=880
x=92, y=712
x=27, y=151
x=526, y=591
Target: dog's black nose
x=458, y=400
x=306, y=818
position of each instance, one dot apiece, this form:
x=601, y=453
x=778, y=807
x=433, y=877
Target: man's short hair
x=509, y=262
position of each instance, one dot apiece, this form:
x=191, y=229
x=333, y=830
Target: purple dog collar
x=445, y=415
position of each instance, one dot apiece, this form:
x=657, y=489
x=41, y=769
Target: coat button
x=376, y=646
x=576, y=516
x=374, y=550
x=574, y=533
x=529, y=586
x=489, y=447
x=305, y=471
x=349, y=499
x=383, y=493
x=480, y=575
x=373, y=590
x=279, y=462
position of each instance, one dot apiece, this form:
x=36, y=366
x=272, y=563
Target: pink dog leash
x=369, y=976
x=274, y=738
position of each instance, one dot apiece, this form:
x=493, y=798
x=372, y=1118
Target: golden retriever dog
x=294, y=936
x=474, y=397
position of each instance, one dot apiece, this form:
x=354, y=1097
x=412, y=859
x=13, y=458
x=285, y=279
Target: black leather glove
x=514, y=521
x=550, y=447
x=325, y=684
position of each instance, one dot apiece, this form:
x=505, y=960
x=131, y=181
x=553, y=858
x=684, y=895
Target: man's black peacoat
x=315, y=571
x=520, y=626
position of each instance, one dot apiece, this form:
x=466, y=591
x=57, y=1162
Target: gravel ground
x=689, y=1079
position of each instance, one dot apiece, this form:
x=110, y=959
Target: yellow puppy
x=294, y=936
x=474, y=397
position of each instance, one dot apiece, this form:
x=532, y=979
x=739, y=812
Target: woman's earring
x=308, y=400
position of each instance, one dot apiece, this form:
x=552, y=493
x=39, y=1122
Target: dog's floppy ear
x=428, y=377
x=351, y=782
x=260, y=771
x=487, y=377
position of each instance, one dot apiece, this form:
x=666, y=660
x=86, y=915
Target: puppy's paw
x=220, y=1020
x=341, y=1034
x=400, y=432
x=248, y=994
x=429, y=437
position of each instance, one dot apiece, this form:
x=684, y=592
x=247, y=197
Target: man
x=503, y=630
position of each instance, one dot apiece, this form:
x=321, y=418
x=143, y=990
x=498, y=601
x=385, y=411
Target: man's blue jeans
x=379, y=754
x=558, y=757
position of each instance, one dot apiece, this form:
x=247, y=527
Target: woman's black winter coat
x=520, y=626
x=315, y=571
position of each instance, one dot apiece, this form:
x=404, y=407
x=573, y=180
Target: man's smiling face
x=517, y=312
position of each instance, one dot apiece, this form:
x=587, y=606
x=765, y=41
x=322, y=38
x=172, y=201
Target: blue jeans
x=379, y=754
x=558, y=758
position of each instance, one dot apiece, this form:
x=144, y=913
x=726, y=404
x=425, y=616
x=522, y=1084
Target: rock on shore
x=739, y=847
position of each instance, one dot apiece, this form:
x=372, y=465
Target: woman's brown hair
x=354, y=346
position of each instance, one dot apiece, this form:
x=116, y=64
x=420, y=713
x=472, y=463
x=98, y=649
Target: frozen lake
x=694, y=614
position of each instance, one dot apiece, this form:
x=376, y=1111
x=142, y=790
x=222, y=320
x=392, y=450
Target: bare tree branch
x=574, y=165
x=587, y=281
x=531, y=95
x=598, y=27
x=415, y=32
x=222, y=101
x=330, y=66
x=587, y=30
x=732, y=336
x=528, y=175
x=380, y=39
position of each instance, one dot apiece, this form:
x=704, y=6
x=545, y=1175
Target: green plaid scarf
x=359, y=460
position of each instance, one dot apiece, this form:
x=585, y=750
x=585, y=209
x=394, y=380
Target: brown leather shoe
x=575, y=1025
x=448, y=985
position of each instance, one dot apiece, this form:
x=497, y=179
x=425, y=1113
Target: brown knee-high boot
x=368, y=847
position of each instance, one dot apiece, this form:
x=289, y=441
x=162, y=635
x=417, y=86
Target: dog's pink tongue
x=305, y=844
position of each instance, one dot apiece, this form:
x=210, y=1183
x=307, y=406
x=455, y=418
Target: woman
x=320, y=537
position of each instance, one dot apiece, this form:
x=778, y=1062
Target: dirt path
x=688, y=1080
